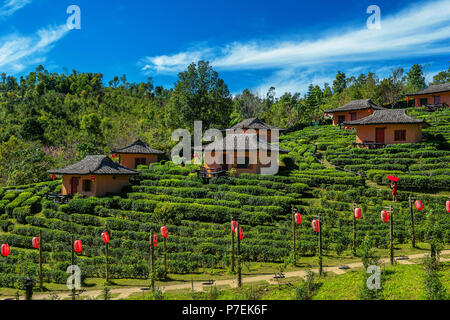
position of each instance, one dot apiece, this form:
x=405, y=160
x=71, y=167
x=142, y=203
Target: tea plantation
x=323, y=174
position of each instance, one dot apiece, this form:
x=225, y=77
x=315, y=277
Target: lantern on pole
x=5, y=250
x=164, y=231
x=92, y=178
x=298, y=218
x=35, y=242
x=347, y=128
x=358, y=214
x=447, y=206
x=53, y=176
x=419, y=205
x=78, y=246
x=315, y=225
x=241, y=233
x=105, y=237
x=155, y=240
x=233, y=225
x=384, y=216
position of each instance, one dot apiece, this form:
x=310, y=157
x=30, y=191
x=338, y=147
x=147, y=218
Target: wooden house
x=434, y=95
x=241, y=148
x=353, y=110
x=94, y=176
x=136, y=154
x=387, y=127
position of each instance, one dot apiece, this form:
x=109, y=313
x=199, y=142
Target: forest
x=50, y=120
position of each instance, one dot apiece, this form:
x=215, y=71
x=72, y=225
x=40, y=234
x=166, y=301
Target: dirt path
x=199, y=286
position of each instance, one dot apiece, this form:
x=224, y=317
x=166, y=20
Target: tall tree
x=340, y=83
x=415, y=79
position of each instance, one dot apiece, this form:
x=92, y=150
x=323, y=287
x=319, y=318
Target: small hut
x=241, y=147
x=387, y=127
x=94, y=176
x=353, y=110
x=434, y=95
x=136, y=154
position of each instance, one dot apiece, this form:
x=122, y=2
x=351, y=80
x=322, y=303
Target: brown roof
x=138, y=147
x=433, y=89
x=242, y=142
x=99, y=165
x=387, y=116
x=356, y=105
x=253, y=123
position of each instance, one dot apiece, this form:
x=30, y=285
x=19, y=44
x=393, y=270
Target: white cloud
x=418, y=30
x=12, y=6
x=17, y=52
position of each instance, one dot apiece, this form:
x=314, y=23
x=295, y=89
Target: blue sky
x=252, y=44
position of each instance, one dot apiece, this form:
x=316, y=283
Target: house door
x=75, y=182
x=379, y=135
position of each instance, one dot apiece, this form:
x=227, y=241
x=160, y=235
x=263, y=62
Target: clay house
x=242, y=148
x=387, y=127
x=434, y=95
x=136, y=154
x=353, y=110
x=94, y=176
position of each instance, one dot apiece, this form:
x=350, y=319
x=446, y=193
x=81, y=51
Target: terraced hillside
x=198, y=215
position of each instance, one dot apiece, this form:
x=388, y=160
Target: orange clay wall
x=445, y=97
x=128, y=159
x=252, y=168
x=367, y=133
x=359, y=114
x=99, y=187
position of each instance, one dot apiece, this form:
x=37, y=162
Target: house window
x=399, y=135
x=241, y=165
x=437, y=99
x=353, y=116
x=423, y=101
x=341, y=119
x=138, y=161
x=87, y=185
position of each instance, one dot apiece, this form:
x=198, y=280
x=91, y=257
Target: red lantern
x=385, y=216
x=53, y=176
x=233, y=226
x=358, y=214
x=315, y=225
x=92, y=178
x=164, y=231
x=347, y=128
x=447, y=206
x=35, y=242
x=298, y=218
x=419, y=205
x=241, y=233
x=370, y=110
x=155, y=240
x=78, y=246
x=105, y=237
x=5, y=250
x=326, y=114
x=407, y=98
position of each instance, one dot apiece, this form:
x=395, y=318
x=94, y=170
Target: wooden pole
x=232, y=248
x=152, y=260
x=73, y=270
x=320, y=246
x=165, y=255
x=106, y=256
x=354, y=230
x=411, y=213
x=391, y=235
x=294, y=250
x=41, y=285
x=238, y=254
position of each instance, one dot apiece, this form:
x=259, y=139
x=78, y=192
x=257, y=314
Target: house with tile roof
x=387, y=127
x=94, y=176
x=353, y=110
x=433, y=95
x=136, y=154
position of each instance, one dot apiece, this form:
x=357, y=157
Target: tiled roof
x=138, y=147
x=387, y=116
x=101, y=165
x=242, y=142
x=356, y=105
x=433, y=89
x=253, y=123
